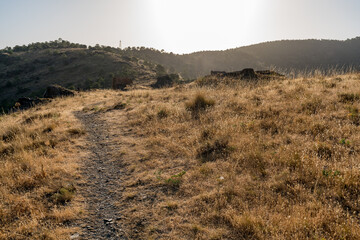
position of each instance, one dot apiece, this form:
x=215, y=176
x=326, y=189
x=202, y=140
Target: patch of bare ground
x=101, y=187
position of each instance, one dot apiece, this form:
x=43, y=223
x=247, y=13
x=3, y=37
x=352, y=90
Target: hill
x=28, y=70
x=237, y=160
x=286, y=56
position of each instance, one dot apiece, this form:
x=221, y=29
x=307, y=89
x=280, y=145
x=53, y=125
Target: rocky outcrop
x=248, y=74
x=54, y=91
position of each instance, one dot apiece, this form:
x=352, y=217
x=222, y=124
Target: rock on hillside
x=167, y=80
x=248, y=74
x=54, y=91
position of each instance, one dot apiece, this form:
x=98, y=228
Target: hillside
x=26, y=73
x=237, y=160
x=27, y=70
x=286, y=56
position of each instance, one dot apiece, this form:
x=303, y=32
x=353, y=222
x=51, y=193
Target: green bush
x=63, y=194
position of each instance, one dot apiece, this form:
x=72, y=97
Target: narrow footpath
x=102, y=186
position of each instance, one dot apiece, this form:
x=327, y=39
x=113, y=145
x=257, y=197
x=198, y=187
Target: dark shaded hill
x=286, y=56
x=27, y=72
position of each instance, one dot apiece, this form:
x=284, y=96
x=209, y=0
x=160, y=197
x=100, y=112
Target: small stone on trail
x=108, y=220
x=74, y=236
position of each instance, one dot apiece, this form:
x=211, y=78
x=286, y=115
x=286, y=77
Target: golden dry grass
x=38, y=171
x=268, y=160
x=272, y=160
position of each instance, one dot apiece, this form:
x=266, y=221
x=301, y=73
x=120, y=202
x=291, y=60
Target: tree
x=160, y=70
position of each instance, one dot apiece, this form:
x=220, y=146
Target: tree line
x=57, y=44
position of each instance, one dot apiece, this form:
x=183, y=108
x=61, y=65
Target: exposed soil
x=101, y=187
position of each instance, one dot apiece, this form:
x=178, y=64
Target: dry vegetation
x=271, y=160
x=268, y=160
x=38, y=171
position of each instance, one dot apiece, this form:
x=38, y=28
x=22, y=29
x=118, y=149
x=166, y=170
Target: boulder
x=121, y=83
x=25, y=102
x=248, y=73
x=54, y=91
x=167, y=80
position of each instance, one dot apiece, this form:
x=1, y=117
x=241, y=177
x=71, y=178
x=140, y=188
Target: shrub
x=10, y=134
x=269, y=126
x=317, y=129
x=200, y=103
x=163, y=113
x=64, y=194
x=119, y=106
x=349, y=97
x=343, y=141
x=354, y=116
x=49, y=128
x=32, y=118
x=175, y=180
x=324, y=151
x=246, y=227
x=255, y=162
x=313, y=106
x=212, y=151
x=207, y=134
x=171, y=206
x=76, y=131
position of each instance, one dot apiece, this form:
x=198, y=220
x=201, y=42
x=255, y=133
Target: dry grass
x=38, y=170
x=267, y=160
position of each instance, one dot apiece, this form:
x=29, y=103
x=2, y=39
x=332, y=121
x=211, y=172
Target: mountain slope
x=285, y=55
x=28, y=73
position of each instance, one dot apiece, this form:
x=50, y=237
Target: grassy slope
x=273, y=160
x=31, y=72
x=38, y=168
x=276, y=160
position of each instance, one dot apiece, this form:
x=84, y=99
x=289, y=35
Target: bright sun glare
x=198, y=23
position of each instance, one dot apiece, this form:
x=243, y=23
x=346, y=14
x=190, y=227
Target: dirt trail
x=102, y=187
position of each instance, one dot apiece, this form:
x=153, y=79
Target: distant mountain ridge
x=284, y=55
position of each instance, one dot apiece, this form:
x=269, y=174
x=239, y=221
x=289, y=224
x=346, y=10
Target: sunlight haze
x=176, y=26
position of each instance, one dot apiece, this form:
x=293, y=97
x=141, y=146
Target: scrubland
x=272, y=159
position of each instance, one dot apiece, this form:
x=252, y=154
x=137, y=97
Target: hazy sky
x=180, y=26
